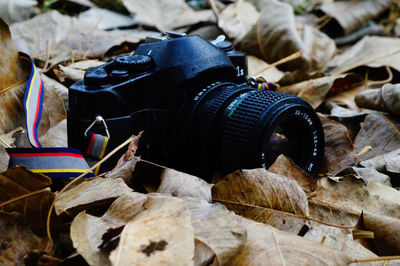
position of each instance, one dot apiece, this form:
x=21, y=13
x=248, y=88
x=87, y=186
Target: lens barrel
x=228, y=127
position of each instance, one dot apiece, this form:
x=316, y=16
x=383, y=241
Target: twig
x=383, y=258
x=80, y=177
x=214, y=8
x=282, y=61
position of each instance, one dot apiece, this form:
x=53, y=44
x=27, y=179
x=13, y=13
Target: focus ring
x=240, y=125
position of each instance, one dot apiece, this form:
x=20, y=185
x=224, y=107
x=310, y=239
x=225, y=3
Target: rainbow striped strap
x=33, y=102
x=53, y=162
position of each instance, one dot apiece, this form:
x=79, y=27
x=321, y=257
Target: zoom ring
x=240, y=126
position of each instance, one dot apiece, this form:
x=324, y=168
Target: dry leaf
x=180, y=184
x=385, y=192
x=339, y=150
x=370, y=174
x=105, y=19
x=256, y=66
x=11, y=72
x=353, y=14
x=55, y=136
x=266, y=245
x=264, y=197
x=237, y=19
x=373, y=52
x=17, y=240
x=4, y=159
x=341, y=202
x=386, y=233
x=275, y=36
x=380, y=132
x=93, y=192
x=340, y=240
x=388, y=162
x=161, y=234
x=166, y=14
x=69, y=37
x=385, y=99
x=285, y=166
x=217, y=233
x=124, y=171
x=60, y=89
x=86, y=234
x=314, y=91
x=18, y=181
x=14, y=11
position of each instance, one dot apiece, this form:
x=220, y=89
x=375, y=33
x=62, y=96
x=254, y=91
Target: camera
x=198, y=112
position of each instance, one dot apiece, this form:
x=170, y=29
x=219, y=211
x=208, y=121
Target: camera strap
x=53, y=162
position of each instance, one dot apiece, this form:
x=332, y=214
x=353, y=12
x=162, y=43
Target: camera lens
x=228, y=127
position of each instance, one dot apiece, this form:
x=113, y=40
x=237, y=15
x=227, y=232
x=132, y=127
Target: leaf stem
x=383, y=258
x=24, y=196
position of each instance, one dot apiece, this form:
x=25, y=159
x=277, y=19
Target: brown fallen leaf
x=12, y=82
x=285, y=166
x=87, y=231
x=180, y=184
x=55, y=136
x=217, y=234
x=161, y=234
x=368, y=174
x=385, y=99
x=60, y=89
x=106, y=19
x=4, y=159
x=266, y=245
x=60, y=33
x=379, y=131
x=17, y=182
x=124, y=171
x=387, y=162
x=264, y=197
x=167, y=14
x=256, y=67
x=97, y=191
x=314, y=91
x=275, y=36
x=339, y=150
x=351, y=15
x=386, y=233
x=86, y=234
x=237, y=19
x=18, y=241
x=339, y=239
x=343, y=201
x=385, y=192
x=130, y=153
x=373, y=52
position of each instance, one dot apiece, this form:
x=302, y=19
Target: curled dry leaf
x=60, y=33
x=161, y=234
x=256, y=67
x=341, y=202
x=237, y=19
x=11, y=72
x=93, y=192
x=17, y=240
x=87, y=231
x=388, y=162
x=19, y=181
x=266, y=245
x=339, y=150
x=379, y=131
x=60, y=89
x=264, y=197
x=285, y=166
x=373, y=52
x=4, y=159
x=385, y=99
x=275, y=36
x=217, y=234
x=369, y=174
x=180, y=184
x=386, y=233
x=86, y=234
x=167, y=14
x=340, y=240
x=124, y=171
x=130, y=153
x=351, y=15
x=314, y=91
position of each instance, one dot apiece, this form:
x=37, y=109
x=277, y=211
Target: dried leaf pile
x=342, y=57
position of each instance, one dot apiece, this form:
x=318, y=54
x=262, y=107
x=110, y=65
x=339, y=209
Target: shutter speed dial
x=133, y=63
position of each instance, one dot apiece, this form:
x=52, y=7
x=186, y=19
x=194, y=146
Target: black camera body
x=198, y=113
